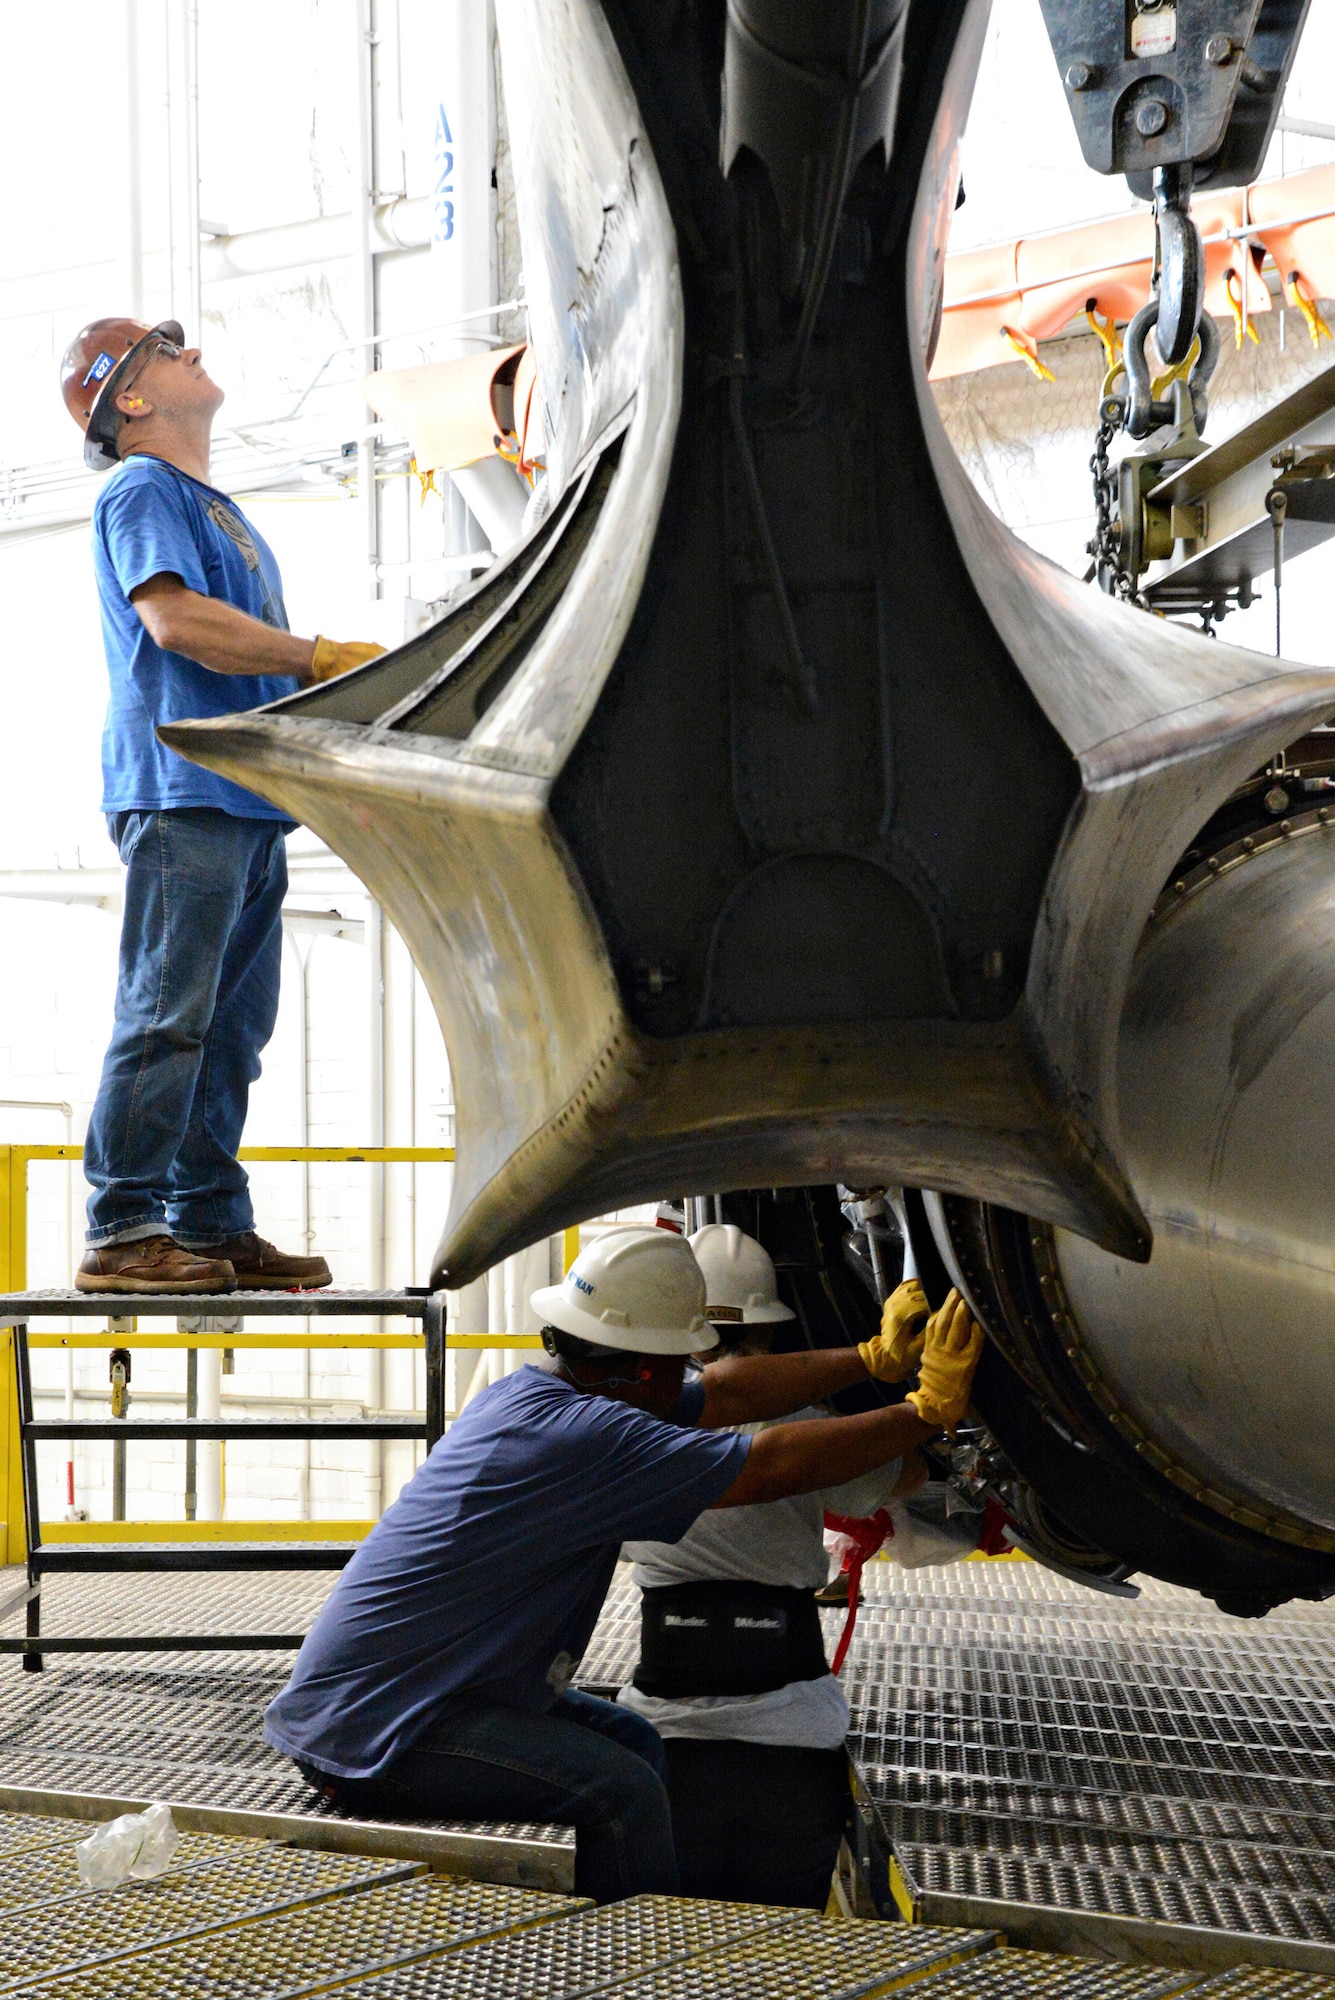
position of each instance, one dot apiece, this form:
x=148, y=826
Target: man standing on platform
x=194, y=625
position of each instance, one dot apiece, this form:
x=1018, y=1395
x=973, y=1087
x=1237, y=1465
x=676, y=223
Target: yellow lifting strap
x=1235, y=301
x=1307, y=306
x=426, y=480
x=1106, y=329
x=1026, y=350
x=510, y=448
x=1180, y=373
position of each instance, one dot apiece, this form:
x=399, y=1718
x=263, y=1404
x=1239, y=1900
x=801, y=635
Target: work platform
x=1136, y=1780
x=216, y=1314
x=253, y=1921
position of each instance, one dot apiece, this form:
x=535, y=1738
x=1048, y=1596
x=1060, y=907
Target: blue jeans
x=196, y=1001
x=586, y=1763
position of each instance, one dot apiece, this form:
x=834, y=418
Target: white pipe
x=493, y=1358
x=375, y=1217
x=1304, y=128
x=465, y=1366
x=412, y=1117
x=208, y=1451
x=71, y=1512
x=303, y=999
x=182, y=111
x=363, y=259
x=463, y=247
x=463, y=222
x=397, y=224
x=496, y=496
x=192, y=271
x=131, y=202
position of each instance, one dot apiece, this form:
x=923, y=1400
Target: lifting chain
x=1105, y=545
x=1188, y=343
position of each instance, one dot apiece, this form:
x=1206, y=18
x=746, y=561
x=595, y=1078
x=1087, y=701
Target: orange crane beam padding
x=1009, y=296
x=1000, y=301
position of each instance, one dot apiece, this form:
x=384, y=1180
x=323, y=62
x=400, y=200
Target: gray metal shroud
x=1228, y=1110
x=771, y=814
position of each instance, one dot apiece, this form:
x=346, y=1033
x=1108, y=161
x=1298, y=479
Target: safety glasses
x=146, y=351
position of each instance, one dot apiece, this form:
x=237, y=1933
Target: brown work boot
x=152, y=1264
x=261, y=1268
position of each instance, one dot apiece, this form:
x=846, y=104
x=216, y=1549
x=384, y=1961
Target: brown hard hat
x=98, y=364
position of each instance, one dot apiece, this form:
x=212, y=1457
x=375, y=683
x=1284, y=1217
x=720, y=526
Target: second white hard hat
x=739, y=1276
x=637, y=1289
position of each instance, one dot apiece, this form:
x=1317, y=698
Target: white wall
x=276, y=142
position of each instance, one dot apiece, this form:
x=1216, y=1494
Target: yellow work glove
x=334, y=657
x=950, y=1354
x=894, y=1352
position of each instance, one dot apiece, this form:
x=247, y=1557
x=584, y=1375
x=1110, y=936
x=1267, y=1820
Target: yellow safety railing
x=14, y=1164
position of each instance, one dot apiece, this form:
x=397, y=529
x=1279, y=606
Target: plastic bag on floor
x=136, y=1847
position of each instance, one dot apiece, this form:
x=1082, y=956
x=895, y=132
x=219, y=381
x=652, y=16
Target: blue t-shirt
x=491, y=1565
x=153, y=520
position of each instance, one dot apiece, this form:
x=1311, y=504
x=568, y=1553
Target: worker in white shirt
x=732, y=1670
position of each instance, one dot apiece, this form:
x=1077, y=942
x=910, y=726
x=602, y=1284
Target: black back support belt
x=727, y=1638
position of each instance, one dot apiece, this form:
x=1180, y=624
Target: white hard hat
x=739, y=1276
x=636, y=1289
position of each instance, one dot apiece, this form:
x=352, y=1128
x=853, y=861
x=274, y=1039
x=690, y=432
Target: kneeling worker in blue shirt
x=194, y=625
x=435, y=1681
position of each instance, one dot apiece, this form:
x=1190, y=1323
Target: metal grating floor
x=1029, y=1740
x=1022, y=1739
x=301, y=1949
x=186, y=1726
x=247, y=1920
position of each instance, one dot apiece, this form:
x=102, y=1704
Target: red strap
x=993, y=1539
x=866, y=1535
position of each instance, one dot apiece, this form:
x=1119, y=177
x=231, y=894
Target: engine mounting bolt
x=1151, y=117
x=1214, y=864
x=1276, y=800
x=1286, y=827
x=1080, y=76
x=1323, y=815
x=1249, y=845
x=1180, y=888
x=1218, y=49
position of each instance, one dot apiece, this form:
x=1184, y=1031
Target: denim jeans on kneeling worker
x=585, y=1763
x=196, y=1002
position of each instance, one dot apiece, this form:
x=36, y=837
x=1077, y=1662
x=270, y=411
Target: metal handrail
x=15, y=1161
